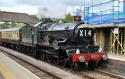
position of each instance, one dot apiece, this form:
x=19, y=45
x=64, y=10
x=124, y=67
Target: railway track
x=96, y=74
x=111, y=74
x=41, y=74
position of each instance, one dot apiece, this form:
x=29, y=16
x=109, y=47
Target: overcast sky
x=56, y=8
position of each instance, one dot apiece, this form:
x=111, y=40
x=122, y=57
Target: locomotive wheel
x=24, y=50
x=55, y=45
x=91, y=65
x=42, y=56
x=66, y=64
x=57, y=62
x=48, y=58
x=76, y=66
x=34, y=53
x=28, y=51
x=83, y=66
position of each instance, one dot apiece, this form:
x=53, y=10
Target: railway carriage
x=10, y=37
x=0, y=38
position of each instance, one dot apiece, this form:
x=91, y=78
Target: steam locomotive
x=68, y=44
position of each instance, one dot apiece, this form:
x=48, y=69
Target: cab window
x=45, y=26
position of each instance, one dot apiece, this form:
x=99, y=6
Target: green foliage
x=6, y=25
x=68, y=18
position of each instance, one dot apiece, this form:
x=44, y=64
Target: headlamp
x=81, y=59
x=105, y=57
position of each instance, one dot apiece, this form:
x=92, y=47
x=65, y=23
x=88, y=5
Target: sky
x=54, y=8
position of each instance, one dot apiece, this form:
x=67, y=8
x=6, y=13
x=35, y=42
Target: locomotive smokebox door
x=85, y=32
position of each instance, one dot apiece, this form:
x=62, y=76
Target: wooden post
x=111, y=41
x=114, y=43
x=100, y=38
x=117, y=44
x=124, y=41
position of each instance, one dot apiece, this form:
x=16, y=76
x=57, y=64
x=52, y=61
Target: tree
x=7, y=25
x=13, y=24
x=68, y=18
x=4, y=25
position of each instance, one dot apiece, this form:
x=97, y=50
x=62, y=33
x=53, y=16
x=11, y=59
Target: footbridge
x=17, y=17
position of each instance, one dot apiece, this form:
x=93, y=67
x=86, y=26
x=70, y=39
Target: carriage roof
x=10, y=30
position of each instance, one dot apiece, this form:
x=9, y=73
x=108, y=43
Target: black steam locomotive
x=69, y=44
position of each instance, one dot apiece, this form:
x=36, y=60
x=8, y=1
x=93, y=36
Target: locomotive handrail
x=64, y=40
